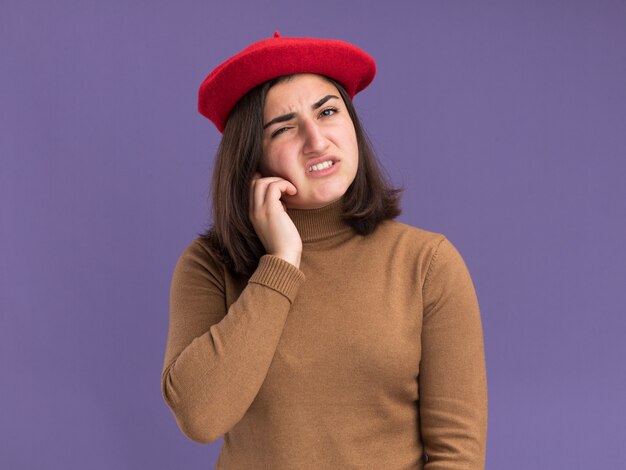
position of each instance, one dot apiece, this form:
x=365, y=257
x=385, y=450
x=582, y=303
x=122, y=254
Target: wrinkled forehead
x=292, y=92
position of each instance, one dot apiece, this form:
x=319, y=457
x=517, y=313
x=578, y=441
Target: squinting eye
x=279, y=131
x=329, y=111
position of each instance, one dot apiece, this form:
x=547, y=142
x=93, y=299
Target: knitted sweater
x=368, y=356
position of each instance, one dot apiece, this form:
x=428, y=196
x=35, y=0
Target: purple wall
x=504, y=120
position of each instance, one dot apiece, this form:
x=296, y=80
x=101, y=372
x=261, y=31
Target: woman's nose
x=314, y=139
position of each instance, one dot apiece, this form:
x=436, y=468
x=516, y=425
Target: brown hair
x=368, y=201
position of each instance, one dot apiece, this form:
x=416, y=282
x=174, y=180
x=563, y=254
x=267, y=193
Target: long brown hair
x=368, y=201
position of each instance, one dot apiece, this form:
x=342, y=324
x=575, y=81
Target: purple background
x=506, y=122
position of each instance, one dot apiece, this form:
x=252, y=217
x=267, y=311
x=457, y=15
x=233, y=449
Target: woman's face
x=305, y=123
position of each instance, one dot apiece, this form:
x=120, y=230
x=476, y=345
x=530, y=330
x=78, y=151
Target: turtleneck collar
x=320, y=223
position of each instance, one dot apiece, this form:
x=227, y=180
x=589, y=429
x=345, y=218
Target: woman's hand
x=270, y=220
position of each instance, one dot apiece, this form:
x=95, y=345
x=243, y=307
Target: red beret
x=273, y=57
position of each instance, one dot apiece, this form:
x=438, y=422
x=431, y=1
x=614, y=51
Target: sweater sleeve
x=216, y=359
x=452, y=377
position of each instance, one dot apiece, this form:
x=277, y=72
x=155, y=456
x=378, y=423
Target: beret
x=277, y=56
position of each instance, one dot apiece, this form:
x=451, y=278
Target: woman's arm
x=452, y=377
x=215, y=363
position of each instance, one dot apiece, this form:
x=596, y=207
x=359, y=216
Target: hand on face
x=270, y=220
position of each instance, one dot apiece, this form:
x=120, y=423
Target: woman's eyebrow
x=287, y=117
x=283, y=118
x=323, y=100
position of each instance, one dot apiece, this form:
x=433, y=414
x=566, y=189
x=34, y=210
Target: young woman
x=308, y=327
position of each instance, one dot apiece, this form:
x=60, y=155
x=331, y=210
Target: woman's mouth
x=324, y=168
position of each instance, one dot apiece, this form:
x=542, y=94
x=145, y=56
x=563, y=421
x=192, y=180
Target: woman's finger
x=275, y=190
x=260, y=189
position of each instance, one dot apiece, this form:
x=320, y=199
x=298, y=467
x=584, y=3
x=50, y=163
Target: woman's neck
x=319, y=223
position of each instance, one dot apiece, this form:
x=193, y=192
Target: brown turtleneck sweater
x=369, y=355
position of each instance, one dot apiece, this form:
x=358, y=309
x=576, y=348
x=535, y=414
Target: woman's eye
x=328, y=112
x=279, y=131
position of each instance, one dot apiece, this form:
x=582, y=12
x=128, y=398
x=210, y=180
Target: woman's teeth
x=321, y=166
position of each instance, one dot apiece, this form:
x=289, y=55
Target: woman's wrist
x=293, y=258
